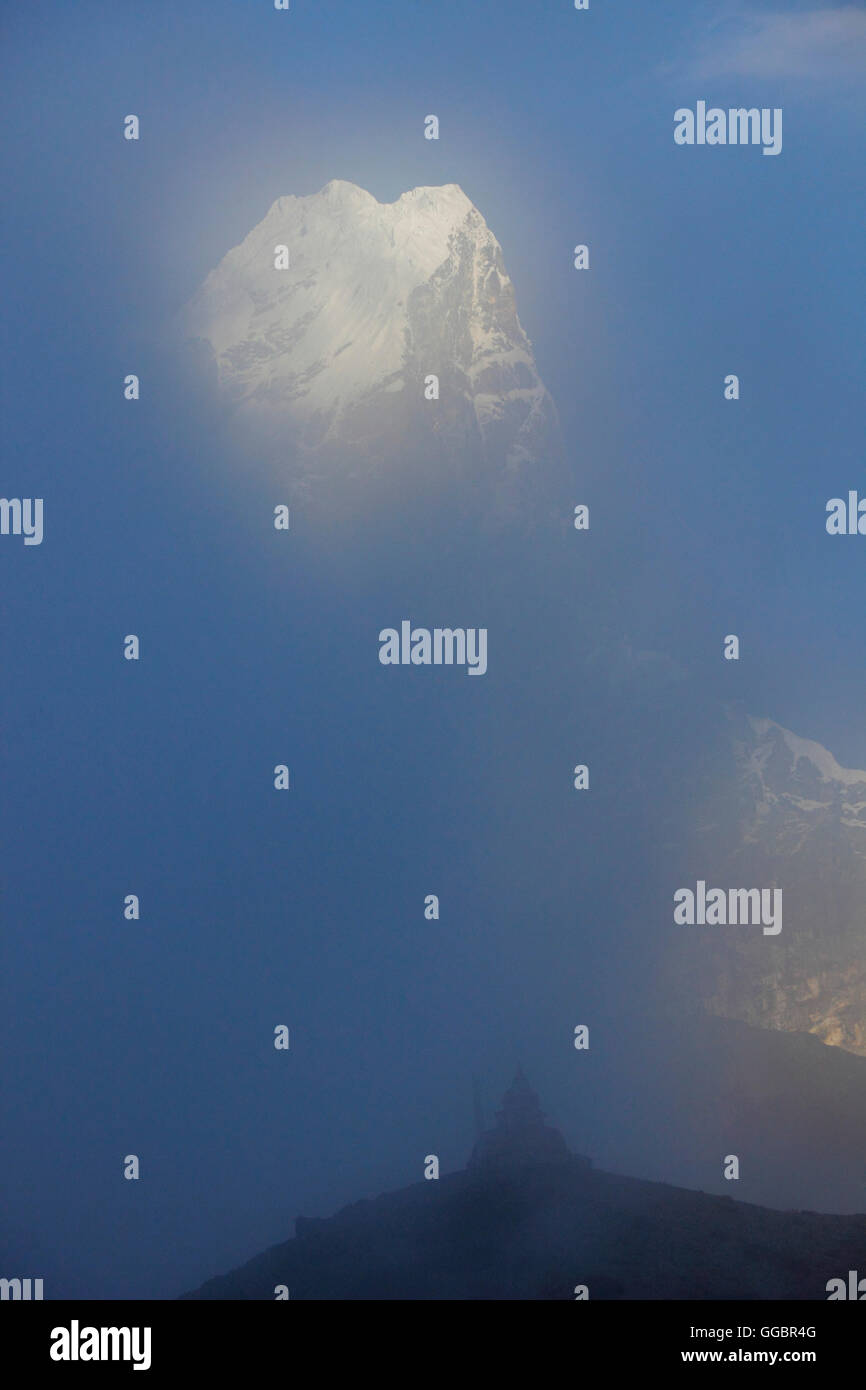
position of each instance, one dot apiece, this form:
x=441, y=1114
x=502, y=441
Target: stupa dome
x=520, y=1138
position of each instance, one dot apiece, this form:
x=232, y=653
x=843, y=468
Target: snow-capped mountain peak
x=829, y=770
x=797, y=786
x=332, y=341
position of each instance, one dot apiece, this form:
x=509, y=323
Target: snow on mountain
x=331, y=355
x=830, y=771
x=797, y=788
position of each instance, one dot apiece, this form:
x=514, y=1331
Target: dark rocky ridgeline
x=529, y=1220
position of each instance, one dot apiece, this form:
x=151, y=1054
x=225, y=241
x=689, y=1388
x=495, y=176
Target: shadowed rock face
x=325, y=364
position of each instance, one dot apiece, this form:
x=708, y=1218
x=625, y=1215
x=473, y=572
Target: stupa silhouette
x=520, y=1138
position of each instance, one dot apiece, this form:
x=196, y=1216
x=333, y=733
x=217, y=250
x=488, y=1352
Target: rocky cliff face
x=327, y=361
x=783, y=812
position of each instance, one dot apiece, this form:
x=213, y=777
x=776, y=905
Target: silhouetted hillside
x=539, y=1234
x=528, y=1220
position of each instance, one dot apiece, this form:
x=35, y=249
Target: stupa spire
x=520, y=1105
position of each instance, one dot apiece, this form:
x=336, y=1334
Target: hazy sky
x=708, y=516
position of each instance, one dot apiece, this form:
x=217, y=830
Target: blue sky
x=559, y=125
x=708, y=516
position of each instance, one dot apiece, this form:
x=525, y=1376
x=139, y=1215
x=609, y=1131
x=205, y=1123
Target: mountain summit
x=327, y=349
